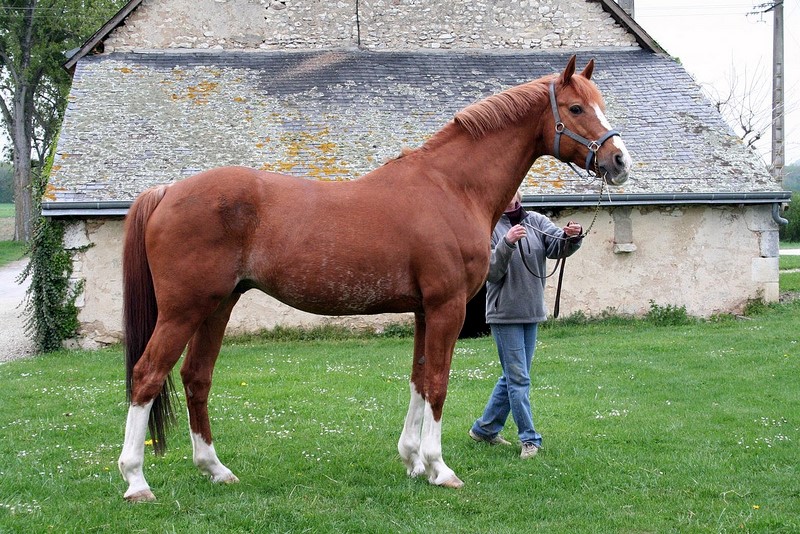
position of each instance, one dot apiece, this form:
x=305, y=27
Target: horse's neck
x=488, y=170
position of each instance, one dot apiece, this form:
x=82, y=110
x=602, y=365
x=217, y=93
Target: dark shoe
x=497, y=440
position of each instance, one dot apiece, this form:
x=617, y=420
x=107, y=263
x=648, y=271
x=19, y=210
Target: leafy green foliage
x=52, y=314
x=791, y=177
x=791, y=232
x=34, y=35
x=668, y=315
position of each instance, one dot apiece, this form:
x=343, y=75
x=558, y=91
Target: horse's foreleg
x=196, y=373
x=410, y=438
x=442, y=327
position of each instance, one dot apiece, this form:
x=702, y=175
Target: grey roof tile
x=139, y=119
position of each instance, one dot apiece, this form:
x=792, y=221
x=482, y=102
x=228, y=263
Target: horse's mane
x=496, y=111
x=502, y=109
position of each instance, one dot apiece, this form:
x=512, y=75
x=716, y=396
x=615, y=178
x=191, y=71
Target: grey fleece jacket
x=514, y=295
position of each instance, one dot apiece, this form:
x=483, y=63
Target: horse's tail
x=140, y=310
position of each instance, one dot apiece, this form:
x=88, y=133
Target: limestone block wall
x=692, y=256
x=372, y=24
x=682, y=256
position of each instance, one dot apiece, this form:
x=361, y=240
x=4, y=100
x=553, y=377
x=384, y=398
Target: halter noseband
x=561, y=128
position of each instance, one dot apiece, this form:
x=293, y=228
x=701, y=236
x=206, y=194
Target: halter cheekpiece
x=561, y=128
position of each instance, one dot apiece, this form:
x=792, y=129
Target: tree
x=791, y=178
x=741, y=104
x=34, y=36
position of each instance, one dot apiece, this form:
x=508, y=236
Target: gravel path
x=13, y=342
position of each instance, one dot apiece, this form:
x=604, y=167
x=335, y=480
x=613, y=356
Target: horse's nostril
x=619, y=159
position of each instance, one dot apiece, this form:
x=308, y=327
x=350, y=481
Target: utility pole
x=777, y=93
x=778, y=148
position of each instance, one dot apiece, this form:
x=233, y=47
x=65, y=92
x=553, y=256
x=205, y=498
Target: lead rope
x=562, y=261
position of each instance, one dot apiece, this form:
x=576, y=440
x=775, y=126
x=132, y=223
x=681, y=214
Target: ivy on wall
x=51, y=314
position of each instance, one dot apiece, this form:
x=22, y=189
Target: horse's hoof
x=416, y=471
x=223, y=477
x=454, y=482
x=141, y=496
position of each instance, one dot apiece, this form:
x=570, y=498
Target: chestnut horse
x=410, y=236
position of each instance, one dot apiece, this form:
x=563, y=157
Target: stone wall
x=688, y=256
x=378, y=24
x=625, y=263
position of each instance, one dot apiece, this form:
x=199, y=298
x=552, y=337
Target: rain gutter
x=118, y=208
x=655, y=199
x=775, y=198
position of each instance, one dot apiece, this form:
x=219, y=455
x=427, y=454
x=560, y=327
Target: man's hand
x=572, y=229
x=515, y=233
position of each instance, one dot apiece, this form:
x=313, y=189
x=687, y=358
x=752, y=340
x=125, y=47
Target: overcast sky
x=718, y=40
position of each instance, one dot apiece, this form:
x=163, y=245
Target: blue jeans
x=515, y=345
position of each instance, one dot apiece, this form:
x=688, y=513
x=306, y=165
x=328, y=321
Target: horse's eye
x=575, y=109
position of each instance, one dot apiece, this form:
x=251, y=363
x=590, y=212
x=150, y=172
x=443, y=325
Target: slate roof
x=139, y=119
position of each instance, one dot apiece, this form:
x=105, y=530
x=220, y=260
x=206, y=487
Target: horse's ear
x=587, y=72
x=568, y=71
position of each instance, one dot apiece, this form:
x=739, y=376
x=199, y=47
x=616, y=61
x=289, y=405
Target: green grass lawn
x=691, y=428
x=11, y=251
x=789, y=262
x=790, y=282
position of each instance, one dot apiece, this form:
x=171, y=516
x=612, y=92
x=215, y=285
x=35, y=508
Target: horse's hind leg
x=132, y=456
x=196, y=373
x=162, y=352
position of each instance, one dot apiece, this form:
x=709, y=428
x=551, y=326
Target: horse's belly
x=346, y=293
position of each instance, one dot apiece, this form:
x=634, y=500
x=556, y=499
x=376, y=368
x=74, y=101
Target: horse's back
x=317, y=246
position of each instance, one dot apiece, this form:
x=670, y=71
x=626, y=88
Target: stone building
x=330, y=90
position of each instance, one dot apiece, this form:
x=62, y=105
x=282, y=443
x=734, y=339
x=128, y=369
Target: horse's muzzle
x=615, y=167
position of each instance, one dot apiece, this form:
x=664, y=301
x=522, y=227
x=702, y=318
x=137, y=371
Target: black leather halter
x=561, y=128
